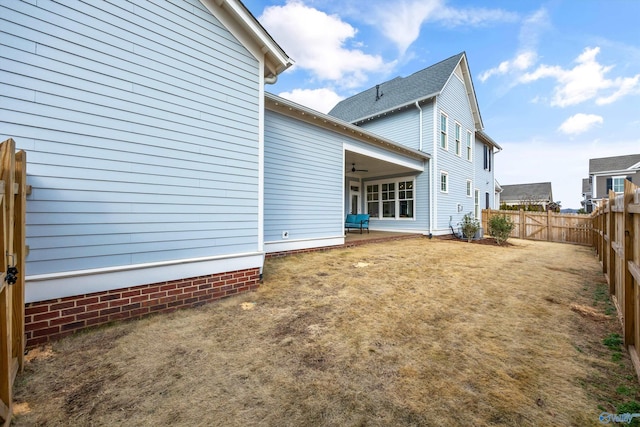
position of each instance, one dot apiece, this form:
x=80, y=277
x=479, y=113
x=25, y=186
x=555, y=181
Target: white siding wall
x=453, y=101
x=303, y=180
x=140, y=120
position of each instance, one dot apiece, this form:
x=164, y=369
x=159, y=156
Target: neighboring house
x=434, y=111
x=609, y=173
x=143, y=124
x=162, y=173
x=525, y=195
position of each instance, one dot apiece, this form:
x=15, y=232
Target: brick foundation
x=54, y=319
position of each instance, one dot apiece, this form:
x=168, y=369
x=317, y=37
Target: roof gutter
x=380, y=113
x=300, y=112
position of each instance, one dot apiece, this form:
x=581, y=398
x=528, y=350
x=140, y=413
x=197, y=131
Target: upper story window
x=469, y=138
x=458, y=139
x=488, y=154
x=443, y=130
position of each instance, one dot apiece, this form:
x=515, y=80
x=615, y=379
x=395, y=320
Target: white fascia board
x=244, y=26
x=398, y=107
x=59, y=285
x=300, y=112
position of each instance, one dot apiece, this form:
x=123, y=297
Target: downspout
x=434, y=167
x=421, y=138
x=271, y=79
x=420, y=109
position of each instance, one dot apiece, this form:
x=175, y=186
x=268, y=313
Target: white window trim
x=469, y=146
x=395, y=181
x=613, y=185
x=457, y=138
x=446, y=174
x=469, y=188
x=445, y=132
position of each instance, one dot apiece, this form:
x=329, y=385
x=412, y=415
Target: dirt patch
x=428, y=333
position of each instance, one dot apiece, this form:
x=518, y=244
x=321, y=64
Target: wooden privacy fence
x=12, y=247
x=548, y=226
x=616, y=227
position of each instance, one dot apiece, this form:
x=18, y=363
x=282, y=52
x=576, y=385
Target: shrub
x=500, y=227
x=469, y=226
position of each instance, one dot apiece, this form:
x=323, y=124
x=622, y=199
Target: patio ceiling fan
x=353, y=168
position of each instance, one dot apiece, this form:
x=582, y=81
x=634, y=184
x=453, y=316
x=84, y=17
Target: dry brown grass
x=410, y=333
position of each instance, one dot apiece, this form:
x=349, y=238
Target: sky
x=557, y=82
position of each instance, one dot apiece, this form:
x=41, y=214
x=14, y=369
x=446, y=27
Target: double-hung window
x=444, y=182
x=469, y=137
x=443, y=130
x=458, y=139
x=391, y=199
x=469, y=187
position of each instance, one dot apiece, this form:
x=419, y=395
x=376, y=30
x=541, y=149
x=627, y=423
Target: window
x=469, y=145
x=388, y=200
x=476, y=203
x=372, y=201
x=405, y=199
x=443, y=131
x=617, y=183
x=444, y=182
x=391, y=199
x=458, y=142
x=487, y=157
x=469, y=187
x=486, y=201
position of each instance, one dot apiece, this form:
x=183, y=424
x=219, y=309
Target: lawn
x=410, y=333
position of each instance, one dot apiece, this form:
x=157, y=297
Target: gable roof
x=614, y=164
x=276, y=60
x=405, y=91
x=534, y=191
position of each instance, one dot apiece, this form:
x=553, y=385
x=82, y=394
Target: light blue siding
x=303, y=180
x=453, y=101
x=484, y=180
x=140, y=121
x=402, y=127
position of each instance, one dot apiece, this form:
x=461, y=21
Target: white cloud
x=528, y=38
x=521, y=62
x=402, y=21
x=322, y=100
x=587, y=80
x=316, y=41
x=580, y=123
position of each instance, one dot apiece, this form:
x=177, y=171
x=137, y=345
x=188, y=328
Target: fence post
x=522, y=231
x=611, y=231
x=627, y=278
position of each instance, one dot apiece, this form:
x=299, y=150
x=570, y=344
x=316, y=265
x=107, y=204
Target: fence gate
x=12, y=252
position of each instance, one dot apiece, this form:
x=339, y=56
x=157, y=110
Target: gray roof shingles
x=617, y=163
x=535, y=191
x=397, y=92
